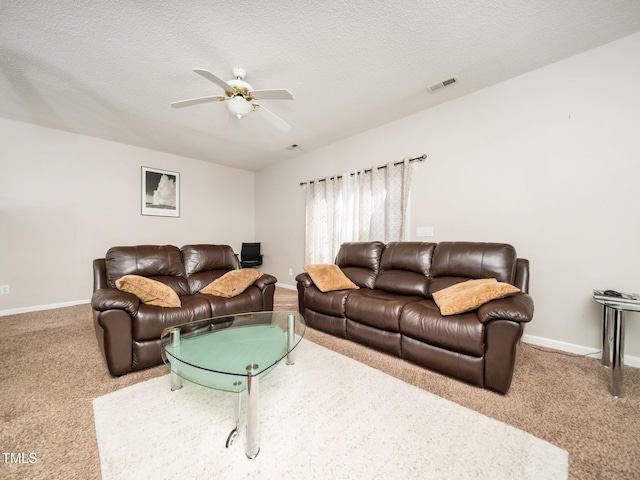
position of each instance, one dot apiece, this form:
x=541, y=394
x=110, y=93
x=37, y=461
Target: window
x=362, y=206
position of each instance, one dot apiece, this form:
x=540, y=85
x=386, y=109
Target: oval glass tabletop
x=221, y=352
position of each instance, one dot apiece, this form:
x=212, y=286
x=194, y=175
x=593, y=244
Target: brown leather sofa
x=129, y=331
x=394, y=311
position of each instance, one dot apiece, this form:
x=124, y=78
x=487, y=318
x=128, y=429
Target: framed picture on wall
x=160, y=192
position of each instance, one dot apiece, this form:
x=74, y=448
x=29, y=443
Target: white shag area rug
x=326, y=417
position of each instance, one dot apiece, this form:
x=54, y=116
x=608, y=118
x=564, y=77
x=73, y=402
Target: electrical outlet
x=424, y=232
x=291, y=271
x=4, y=289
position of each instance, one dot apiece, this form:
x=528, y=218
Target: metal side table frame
x=613, y=340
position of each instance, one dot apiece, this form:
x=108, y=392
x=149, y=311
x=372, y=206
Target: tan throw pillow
x=150, y=292
x=232, y=283
x=467, y=296
x=329, y=277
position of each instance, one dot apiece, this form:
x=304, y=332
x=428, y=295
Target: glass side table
x=613, y=339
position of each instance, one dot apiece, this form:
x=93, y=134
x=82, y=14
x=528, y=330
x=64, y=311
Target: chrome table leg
x=253, y=428
x=291, y=331
x=606, y=337
x=234, y=433
x=618, y=353
x=176, y=381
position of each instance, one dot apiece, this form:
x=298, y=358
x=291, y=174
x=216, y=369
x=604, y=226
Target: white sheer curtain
x=359, y=206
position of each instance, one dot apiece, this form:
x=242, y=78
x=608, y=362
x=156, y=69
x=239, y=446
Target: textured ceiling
x=110, y=69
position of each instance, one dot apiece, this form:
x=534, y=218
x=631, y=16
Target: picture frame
x=160, y=192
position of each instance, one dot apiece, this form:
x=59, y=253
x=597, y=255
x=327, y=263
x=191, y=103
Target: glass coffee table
x=231, y=353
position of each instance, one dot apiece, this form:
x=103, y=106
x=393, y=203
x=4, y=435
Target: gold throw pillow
x=329, y=277
x=467, y=296
x=232, y=283
x=150, y=292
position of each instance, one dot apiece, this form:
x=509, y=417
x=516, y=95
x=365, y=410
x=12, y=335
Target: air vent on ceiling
x=442, y=84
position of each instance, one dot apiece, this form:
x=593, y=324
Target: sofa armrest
x=304, y=279
x=522, y=275
x=517, y=307
x=99, y=274
x=264, y=281
x=113, y=299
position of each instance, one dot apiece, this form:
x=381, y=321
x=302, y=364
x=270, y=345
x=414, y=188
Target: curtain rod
x=416, y=159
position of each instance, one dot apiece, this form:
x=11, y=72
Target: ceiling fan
x=240, y=97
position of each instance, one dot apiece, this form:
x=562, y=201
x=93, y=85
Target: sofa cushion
x=248, y=301
x=423, y=322
x=329, y=278
x=360, y=261
x=377, y=308
x=469, y=295
x=405, y=268
x=202, y=258
x=146, y=261
x=232, y=283
x=329, y=303
x=150, y=292
x=473, y=260
x=410, y=256
x=150, y=321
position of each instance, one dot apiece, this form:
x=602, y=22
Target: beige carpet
x=53, y=370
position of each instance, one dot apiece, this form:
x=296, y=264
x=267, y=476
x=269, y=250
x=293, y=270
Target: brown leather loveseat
x=394, y=311
x=129, y=330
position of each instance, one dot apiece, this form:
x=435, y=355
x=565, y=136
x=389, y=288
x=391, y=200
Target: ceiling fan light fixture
x=239, y=107
x=239, y=97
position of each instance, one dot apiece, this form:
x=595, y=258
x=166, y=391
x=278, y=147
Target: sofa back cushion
x=360, y=261
x=200, y=258
x=405, y=268
x=158, y=262
x=454, y=262
x=205, y=263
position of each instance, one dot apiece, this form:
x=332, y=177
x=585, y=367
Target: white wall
x=548, y=161
x=66, y=198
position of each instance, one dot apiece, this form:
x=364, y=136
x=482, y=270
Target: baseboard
x=284, y=285
x=629, y=360
x=38, y=308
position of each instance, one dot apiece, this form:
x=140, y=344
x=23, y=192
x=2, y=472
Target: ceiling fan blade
x=271, y=117
x=196, y=101
x=275, y=94
x=217, y=80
